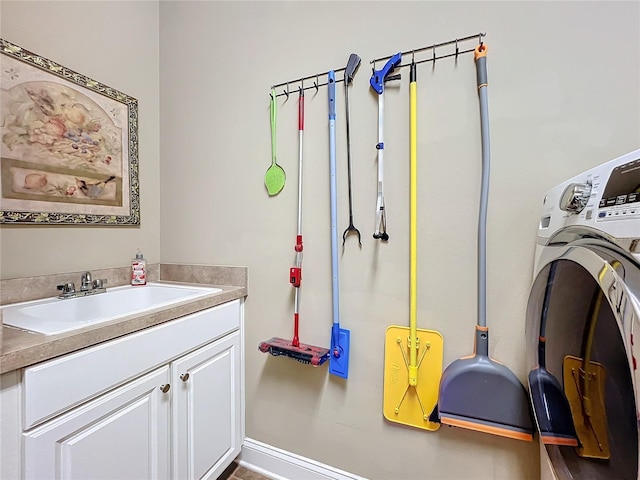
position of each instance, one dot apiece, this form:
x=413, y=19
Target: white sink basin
x=51, y=316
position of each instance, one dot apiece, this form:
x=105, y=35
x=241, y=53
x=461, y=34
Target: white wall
x=564, y=96
x=115, y=43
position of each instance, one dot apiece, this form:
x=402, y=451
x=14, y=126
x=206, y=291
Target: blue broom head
x=339, y=354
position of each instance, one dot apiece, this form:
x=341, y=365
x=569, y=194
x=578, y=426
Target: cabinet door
x=206, y=409
x=123, y=434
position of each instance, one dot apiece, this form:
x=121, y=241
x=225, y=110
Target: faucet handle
x=67, y=288
x=99, y=282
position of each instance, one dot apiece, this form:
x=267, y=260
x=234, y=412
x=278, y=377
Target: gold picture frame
x=68, y=145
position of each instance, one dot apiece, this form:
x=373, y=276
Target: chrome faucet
x=87, y=287
x=87, y=284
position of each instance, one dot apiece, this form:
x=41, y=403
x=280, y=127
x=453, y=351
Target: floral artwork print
x=55, y=126
x=68, y=145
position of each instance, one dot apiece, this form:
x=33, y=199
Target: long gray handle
x=481, y=75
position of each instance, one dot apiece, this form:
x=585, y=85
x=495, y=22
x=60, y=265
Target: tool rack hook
x=457, y=51
x=286, y=92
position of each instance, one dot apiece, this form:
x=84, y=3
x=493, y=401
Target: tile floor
x=236, y=472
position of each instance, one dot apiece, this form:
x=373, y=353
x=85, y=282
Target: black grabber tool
x=377, y=83
x=352, y=65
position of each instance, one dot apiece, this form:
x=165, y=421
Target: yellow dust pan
x=412, y=356
x=584, y=383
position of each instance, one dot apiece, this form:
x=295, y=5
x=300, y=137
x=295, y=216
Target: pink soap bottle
x=139, y=270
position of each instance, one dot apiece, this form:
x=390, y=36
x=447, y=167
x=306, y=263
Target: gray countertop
x=21, y=348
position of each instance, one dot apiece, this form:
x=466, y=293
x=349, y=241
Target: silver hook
x=456, y=49
x=480, y=38
x=286, y=92
x=434, y=53
x=315, y=84
x=413, y=56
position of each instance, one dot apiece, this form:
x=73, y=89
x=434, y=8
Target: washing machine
x=583, y=325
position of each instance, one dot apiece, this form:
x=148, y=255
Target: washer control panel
x=621, y=195
x=605, y=198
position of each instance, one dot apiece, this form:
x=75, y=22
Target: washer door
x=588, y=321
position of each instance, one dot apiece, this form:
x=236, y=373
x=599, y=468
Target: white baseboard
x=279, y=464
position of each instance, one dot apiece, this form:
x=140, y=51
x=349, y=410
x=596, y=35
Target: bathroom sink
x=51, y=316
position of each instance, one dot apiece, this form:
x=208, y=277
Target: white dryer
x=584, y=311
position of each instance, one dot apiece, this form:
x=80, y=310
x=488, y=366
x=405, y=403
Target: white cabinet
x=122, y=434
x=180, y=415
x=206, y=408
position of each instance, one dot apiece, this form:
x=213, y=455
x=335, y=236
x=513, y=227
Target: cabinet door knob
x=165, y=388
x=184, y=377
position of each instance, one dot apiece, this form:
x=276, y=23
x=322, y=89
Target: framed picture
x=69, y=145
